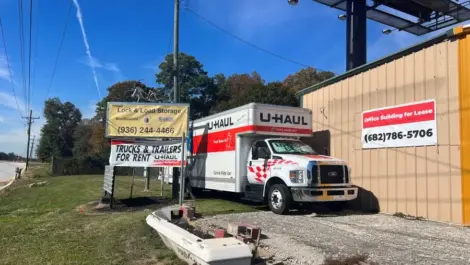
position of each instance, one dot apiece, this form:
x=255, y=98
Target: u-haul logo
x=220, y=123
x=282, y=118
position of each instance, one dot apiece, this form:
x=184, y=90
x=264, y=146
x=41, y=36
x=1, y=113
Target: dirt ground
x=385, y=239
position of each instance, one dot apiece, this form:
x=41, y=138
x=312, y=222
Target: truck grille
x=333, y=174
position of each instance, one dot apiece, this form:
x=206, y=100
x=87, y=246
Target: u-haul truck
x=254, y=150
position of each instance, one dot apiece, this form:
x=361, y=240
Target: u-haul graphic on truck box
x=254, y=150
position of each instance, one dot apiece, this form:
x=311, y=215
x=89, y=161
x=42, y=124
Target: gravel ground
x=309, y=239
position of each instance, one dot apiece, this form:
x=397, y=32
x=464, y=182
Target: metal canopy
x=419, y=16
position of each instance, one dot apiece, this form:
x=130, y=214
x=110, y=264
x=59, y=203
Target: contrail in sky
x=87, y=46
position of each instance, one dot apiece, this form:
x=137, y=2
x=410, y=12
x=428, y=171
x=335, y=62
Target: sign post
x=109, y=183
x=183, y=140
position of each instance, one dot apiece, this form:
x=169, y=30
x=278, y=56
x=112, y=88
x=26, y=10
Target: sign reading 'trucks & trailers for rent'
x=146, y=154
x=412, y=124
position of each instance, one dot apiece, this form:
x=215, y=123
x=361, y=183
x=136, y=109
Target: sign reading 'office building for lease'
x=412, y=124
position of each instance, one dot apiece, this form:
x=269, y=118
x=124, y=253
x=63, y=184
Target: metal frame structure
x=429, y=16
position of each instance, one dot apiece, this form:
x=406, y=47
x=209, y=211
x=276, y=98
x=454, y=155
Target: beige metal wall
x=420, y=181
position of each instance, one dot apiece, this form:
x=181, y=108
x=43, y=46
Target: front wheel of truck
x=279, y=199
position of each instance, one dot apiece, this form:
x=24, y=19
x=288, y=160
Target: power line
x=29, y=50
x=21, y=32
x=249, y=43
x=60, y=49
x=36, y=44
x=9, y=68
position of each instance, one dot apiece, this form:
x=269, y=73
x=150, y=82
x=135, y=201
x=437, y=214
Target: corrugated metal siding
x=420, y=181
x=464, y=67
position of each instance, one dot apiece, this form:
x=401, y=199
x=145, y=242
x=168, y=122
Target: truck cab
x=281, y=171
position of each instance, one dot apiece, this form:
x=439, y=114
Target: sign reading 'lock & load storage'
x=146, y=120
x=412, y=124
x=146, y=154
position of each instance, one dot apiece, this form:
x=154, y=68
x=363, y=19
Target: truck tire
x=279, y=199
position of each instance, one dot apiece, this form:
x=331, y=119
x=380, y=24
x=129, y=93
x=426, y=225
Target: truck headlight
x=296, y=176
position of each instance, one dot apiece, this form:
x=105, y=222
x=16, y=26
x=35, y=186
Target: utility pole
x=32, y=147
x=176, y=95
x=30, y=120
x=176, y=24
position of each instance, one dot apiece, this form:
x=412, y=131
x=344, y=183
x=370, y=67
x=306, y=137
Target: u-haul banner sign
x=145, y=154
x=412, y=124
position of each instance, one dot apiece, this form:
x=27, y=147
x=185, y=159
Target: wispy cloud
x=9, y=101
x=2, y=120
x=87, y=45
x=95, y=63
x=247, y=18
x=4, y=71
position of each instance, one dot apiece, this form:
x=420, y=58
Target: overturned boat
x=195, y=250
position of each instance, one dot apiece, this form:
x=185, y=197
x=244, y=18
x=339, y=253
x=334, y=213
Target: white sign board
x=146, y=154
x=412, y=124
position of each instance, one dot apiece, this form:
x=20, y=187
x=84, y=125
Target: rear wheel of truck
x=279, y=199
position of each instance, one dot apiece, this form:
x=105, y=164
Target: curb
x=6, y=186
x=11, y=182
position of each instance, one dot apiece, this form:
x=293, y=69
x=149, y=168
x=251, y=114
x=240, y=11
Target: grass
x=42, y=225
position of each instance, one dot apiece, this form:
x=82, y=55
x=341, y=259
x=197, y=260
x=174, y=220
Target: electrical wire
x=64, y=31
x=29, y=51
x=9, y=68
x=21, y=32
x=249, y=43
x=35, y=50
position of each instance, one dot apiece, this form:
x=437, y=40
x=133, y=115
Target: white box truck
x=255, y=150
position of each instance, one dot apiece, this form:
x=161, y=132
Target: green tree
x=306, y=77
x=57, y=134
x=123, y=92
x=235, y=88
x=196, y=87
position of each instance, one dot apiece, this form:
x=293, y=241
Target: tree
x=122, y=92
x=57, y=134
x=196, y=87
x=306, y=77
x=236, y=86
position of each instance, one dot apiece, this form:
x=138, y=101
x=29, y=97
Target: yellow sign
x=147, y=120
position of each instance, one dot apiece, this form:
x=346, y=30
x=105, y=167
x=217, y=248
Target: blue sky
x=128, y=39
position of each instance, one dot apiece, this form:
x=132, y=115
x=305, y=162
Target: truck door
x=257, y=162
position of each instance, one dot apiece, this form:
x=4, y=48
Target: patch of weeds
x=359, y=259
x=408, y=217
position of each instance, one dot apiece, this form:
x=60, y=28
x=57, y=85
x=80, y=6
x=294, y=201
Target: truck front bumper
x=324, y=194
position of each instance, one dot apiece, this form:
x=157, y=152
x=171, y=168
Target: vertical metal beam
x=176, y=94
x=356, y=33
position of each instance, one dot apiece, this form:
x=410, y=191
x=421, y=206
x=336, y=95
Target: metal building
x=428, y=178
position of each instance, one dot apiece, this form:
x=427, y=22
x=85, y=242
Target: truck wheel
x=279, y=199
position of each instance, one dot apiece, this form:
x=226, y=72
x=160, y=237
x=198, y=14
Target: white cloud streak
x=9, y=101
x=112, y=67
x=87, y=46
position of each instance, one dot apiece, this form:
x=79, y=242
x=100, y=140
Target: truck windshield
x=291, y=147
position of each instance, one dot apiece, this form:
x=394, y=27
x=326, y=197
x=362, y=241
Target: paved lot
x=7, y=171
x=309, y=239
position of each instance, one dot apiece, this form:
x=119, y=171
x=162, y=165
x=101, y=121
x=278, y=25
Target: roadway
x=7, y=171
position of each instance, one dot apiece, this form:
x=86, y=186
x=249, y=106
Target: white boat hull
x=197, y=251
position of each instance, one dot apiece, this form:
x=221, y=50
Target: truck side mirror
x=263, y=152
x=254, y=153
